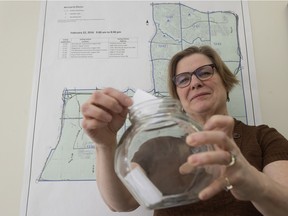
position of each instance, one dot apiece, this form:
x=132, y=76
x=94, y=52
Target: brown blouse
x=260, y=145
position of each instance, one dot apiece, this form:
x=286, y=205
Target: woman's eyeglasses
x=203, y=73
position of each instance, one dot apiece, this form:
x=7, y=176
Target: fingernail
x=190, y=139
x=186, y=169
x=118, y=109
x=193, y=160
x=128, y=101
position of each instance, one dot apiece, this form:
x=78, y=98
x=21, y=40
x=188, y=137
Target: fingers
x=218, y=131
x=208, y=158
x=92, y=124
x=105, y=108
x=213, y=189
x=110, y=99
x=93, y=112
x=220, y=123
x=187, y=168
x=218, y=138
x=104, y=103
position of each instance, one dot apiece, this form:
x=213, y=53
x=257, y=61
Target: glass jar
x=152, y=149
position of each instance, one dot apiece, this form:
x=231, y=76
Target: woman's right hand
x=104, y=113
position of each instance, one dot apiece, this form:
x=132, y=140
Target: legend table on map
x=98, y=48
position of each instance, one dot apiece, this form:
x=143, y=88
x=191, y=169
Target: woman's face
x=201, y=98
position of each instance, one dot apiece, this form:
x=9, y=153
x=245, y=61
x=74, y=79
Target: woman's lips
x=199, y=95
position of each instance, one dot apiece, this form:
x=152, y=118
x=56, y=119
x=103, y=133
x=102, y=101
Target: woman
x=254, y=177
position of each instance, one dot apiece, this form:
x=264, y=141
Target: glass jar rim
x=154, y=106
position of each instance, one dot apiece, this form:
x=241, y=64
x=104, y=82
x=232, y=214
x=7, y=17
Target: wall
x=18, y=35
x=269, y=21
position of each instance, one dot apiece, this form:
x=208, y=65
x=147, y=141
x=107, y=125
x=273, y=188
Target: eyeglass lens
x=202, y=73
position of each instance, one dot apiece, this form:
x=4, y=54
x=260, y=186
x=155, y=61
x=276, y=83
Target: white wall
x=18, y=34
x=269, y=23
x=18, y=29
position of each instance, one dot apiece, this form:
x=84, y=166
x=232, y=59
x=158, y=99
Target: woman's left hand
x=237, y=175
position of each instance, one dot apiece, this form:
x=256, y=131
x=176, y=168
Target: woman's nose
x=195, y=82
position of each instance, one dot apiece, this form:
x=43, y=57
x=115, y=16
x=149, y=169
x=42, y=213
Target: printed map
x=177, y=26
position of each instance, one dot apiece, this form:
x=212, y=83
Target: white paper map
x=125, y=45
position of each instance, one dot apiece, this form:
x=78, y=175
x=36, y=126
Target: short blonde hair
x=228, y=78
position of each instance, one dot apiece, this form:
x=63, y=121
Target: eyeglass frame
x=212, y=65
